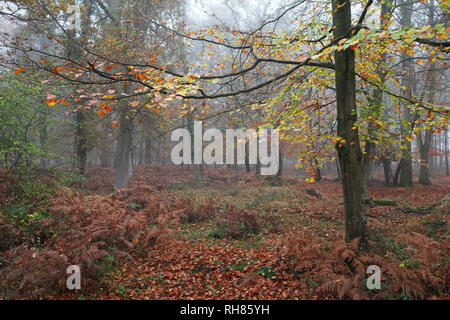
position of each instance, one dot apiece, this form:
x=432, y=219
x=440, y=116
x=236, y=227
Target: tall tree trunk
x=123, y=167
x=141, y=150
x=424, y=149
x=440, y=151
x=196, y=167
x=425, y=135
x=105, y=158
x=388, y=178
x=397, y=172
x=406, y=172
x=247, y=151
x=80, y=119
x=107, y=143
x=280, y=163
x=338, y=169
x=424, y=139
x=258, y=163
x=80, y=142
x=148, y=150
x=446, y=151
x=350, y=155
x=122, y=161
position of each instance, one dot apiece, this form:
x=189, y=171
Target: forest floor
x=210, y=265
x=262, y=238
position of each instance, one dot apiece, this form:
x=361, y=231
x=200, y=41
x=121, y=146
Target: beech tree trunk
x=350, y=155
x=388, y=178
x=425, y=135
x=123, y=166
x=122, y=161
x=406, y=172
x=148, y=150
x=196, y=167
x=280, y=163
x=104, y=158
x=258, y=164
x=247, y=160
x=424, y=149
x=80, y=142
x=338, y=169
x=446, y=152
x=80, y=118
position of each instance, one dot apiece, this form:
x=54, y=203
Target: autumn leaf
x=19, y=71
x=51, y=102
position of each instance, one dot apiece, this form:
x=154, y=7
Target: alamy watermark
x=374, y=281
x=213, y=152
x=74, y=280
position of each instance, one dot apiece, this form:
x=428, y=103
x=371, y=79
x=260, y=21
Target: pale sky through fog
x=5, y=25
x=199, y=12
x=203, y=13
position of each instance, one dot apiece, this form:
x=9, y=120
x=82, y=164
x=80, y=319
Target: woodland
x=92, y=90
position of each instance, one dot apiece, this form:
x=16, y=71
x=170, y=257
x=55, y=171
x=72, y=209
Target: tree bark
x=280, y=163
x=258, y=163
x=406, y=172
x=388, y=178
x=446, y=151
x=397, y=172
x=122, y=162
x=80, y=142
x=247, y=161
x=148, y=150
x=196, y=167
x=123, y=167
x=350, y=155
x=338, y=169
x=424, y=149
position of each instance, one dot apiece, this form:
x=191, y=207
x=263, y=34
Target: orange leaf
x=19, y=71
x=102, y=113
